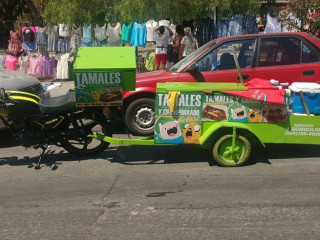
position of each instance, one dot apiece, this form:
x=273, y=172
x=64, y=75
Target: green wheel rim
x=226, y=153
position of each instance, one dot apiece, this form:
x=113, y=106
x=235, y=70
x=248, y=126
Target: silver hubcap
x=145, y=117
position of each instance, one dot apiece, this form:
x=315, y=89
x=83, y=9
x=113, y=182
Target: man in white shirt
x=161, y=37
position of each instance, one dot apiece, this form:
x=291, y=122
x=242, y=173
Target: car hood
x=12, y=80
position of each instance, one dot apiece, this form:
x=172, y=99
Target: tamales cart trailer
x=229, y=125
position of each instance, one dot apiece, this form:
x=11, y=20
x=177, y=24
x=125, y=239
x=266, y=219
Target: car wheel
x=140, y=115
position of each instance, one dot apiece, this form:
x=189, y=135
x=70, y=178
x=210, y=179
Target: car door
x=287, y=59
x=218, y=64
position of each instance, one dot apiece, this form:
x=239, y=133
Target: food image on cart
x=214, y=113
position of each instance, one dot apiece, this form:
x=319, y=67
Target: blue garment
x=235, y=26
x=251, y=25
x=205, y=31
x=139, y=35
x=86, y=40
x=29, y=46
x=222, y=28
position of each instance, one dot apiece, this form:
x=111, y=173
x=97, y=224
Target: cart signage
x=184, y=124
x=98, y=88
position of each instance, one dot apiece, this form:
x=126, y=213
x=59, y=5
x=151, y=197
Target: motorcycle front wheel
x=84, y=145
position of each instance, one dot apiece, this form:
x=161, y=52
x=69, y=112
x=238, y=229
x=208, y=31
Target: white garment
x=164, y=23
x=151, y=25
x=188, y=45
x=63, y=30
x=114, y=33
x=161, y=43
x=62, y=67
x=173, y=29
x=100, y=32
x=273, y=25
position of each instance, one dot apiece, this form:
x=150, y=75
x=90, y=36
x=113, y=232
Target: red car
x=286, y=57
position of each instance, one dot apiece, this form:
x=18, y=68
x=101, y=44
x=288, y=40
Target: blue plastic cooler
x=311, y=93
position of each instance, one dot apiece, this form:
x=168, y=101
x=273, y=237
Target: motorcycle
x=39, y=122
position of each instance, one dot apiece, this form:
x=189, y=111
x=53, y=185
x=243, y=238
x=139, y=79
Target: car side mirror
x=3, y=94
x=193, y=67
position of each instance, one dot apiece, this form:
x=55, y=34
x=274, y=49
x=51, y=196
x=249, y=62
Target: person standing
x=188, y=43
x=177, y=43
x=161, y=37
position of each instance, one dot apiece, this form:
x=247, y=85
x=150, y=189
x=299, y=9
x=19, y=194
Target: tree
x=306, y=16
x=182, y=9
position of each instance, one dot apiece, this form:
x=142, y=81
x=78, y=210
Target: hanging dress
x=62, y=67
x=86, y=40
x=42, y=41
x=29, y=43
x=101, y=36
x=15, y=44
x=53, y=39
x=11, y=62
x=76, y=37
x=63, y=42
x=35, y=66
x=273, y=25
x=48, y=66
x=114, y=34
x=24, y=64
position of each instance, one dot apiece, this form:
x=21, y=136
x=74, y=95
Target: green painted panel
x=112, y=58
x=199, y=87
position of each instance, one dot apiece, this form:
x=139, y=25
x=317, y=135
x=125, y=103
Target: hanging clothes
x=2, y=61
x=15, y=44
x=114, y=34
x=41, y=36
x=101, y=36
x=235, y=26
x=62, y=66
x=28, y=34
x=164, y=23
x=75, y=41
x=29, y=43
x=63, y=45
x=35, y=66
x=151, y=25
x=63, y=30
x=251, y=25
x=11, y=62
x=273, y=25
x=126, y=32
x=205, y=30
x=222, y=28
x=53, y=39
x=86, y=40
x=48, y=66
x=139, y=35
x=150, y=61
x=24, y=64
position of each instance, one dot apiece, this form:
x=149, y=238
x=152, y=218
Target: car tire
x=140, y=115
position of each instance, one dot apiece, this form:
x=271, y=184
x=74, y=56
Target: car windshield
x=187, y=58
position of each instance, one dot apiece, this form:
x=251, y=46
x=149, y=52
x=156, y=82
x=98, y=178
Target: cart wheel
x=222, y=151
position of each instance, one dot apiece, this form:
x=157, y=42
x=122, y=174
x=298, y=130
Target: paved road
x=158, y=193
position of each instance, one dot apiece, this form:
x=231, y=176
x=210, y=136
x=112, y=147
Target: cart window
x=221, y=58
x=279, y=51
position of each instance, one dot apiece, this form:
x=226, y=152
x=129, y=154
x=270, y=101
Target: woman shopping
x=188, y=43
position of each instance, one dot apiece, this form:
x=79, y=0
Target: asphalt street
x=131, y=192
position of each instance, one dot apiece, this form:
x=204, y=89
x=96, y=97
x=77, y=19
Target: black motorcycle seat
x=58, y=105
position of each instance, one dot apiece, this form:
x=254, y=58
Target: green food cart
x=102, y=73
x=231, y=126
